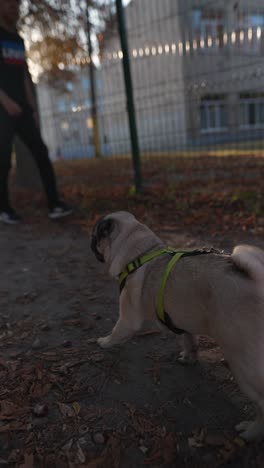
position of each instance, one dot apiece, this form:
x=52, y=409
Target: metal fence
x=198, y=80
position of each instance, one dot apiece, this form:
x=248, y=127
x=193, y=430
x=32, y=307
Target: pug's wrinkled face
x=101, y=237
x=109, y=234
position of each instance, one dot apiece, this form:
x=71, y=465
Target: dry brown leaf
x=194, y=443
x=97, y=357
x=240, y=442
x=227, y=452
x=72, y=322
x=66, y=410
x=28, y=461
x=169, y=449
x=215, y=440
x=39, y=390
x=9, y=410
x=149, y=332
x=3, y=363
x=80, y=454
x=96, y=463
x=13, y=426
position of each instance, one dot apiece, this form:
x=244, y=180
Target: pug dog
x=214, y=294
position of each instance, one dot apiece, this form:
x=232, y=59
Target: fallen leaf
x=143, y=449
x=97, y=357
x=194, y=443
x=99, y=438
x=240, y=442
x=40, y=410
x=215, y=440
x=77, y=407
x=9, y=410
x=68, y=445
x=72, y=322
x=3, y=363
x=39, y=390
x=96, y=463
x=80, y=454
x=66, y=410
x=149, y=332
x=28, y=461
x=14, y=426
x=3, y=461
x=227, y=452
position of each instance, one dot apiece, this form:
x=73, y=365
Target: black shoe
x=60, y=211
x=9, y=216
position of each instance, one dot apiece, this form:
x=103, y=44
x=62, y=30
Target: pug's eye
x=105, y=228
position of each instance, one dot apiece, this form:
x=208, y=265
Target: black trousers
x=26, y=128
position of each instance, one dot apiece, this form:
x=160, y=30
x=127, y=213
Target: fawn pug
x=213, y=294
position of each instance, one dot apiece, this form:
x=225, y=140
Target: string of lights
x=234, y=38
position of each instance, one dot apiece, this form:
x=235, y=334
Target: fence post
x=129, y=96
x=96, y=138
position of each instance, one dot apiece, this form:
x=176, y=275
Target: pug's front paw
x=104, y=342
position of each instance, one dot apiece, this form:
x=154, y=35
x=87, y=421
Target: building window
x=69, y=86
x=251, y=32
x=87, y=103
x=85, y=83
x=213, y=113
x=61, y=105
x=65, y=125
x=73, y=105
x=89, y=123
x=208, y=26
x=252, y=110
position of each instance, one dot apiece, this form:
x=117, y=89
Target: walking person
x=18, y=116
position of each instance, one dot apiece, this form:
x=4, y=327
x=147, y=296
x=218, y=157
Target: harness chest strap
x=138, y=262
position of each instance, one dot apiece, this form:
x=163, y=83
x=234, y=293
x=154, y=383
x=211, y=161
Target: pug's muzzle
x=98, y=255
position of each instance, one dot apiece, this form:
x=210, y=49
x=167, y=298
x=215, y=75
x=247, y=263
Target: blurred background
x=197, y=72
x=161, y=97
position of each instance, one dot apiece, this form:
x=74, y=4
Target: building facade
x=198, y=74
x=66, y=121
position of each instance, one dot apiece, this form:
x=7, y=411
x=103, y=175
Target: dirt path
x=67, y=403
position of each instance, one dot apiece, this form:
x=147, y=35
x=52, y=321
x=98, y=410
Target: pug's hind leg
x=190, y=349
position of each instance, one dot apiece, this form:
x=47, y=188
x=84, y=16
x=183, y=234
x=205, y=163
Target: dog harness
x=175, y=255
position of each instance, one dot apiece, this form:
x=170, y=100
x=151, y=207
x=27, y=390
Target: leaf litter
x=53, y=399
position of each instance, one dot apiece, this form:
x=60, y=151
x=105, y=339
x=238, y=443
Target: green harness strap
x=138, y=262
x=175, y=256
x=160, y=300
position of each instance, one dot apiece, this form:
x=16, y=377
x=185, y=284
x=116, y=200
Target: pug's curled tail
x=250, y=259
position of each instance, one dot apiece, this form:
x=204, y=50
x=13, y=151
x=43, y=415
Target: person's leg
x=7, y=130
x=6, y=138
x=29, y=133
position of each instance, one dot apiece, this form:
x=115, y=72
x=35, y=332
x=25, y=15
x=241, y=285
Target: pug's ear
x=105, y=227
